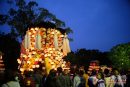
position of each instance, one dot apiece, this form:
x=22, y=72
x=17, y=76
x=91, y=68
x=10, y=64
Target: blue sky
x=97, y=24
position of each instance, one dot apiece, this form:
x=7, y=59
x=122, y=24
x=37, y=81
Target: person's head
x=116, y=72
x=27, y=73
x=86, y=70
x=77, y=71
x=52, y=73
x=10, y=75
x=93, y=72
x=106, y=72
x=59, y=70
x=81, y=72
x=123, y=72
x=128, y=72
x=66, y=72
x=100, y=75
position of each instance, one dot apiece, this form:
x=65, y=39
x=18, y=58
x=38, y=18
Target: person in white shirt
x=109, y=82
x=92, y=80
x=12, y=79
x=11, y=84
x=76, y=80
x=117, y=79
x=100, y=82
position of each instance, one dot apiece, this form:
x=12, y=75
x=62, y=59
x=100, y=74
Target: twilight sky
x=97, y=24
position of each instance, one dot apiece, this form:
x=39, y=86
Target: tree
x=120, y=56
x=10, y=48
x=84, y=57
x=104, y=59
x=24, y=14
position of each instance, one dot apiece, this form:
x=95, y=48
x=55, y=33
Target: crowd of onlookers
x=77, y=77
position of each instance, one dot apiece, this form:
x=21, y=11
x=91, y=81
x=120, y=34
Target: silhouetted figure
x=68, y=81
x=82, y=79
x=37, y=77
x=44, y=78
x=92, y=81
x=60, y=78
x=117, y=79
x=86, y=76
x=100, y=82
x=28, y=80
x=108, y=81
x=124, y=77
x=76, y=80
x=51, y=79
x=11, y=79
x=128, y=79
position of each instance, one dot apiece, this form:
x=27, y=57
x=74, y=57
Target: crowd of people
x=77, y=77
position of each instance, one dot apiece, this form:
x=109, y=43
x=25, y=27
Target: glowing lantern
x=37, y=66
x=21, y=69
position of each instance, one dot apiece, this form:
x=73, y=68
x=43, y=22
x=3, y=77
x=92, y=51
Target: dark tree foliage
x=19, y=18
x=84, y=57
x=71, y=57
x=10, y=48
x=24, y=13
x=120, y=56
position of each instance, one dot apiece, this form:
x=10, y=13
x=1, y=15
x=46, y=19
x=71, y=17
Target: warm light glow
x=53, y=66
x=36, y=29
x=48, y=51
x=0, y=57
x=37, y=66
x=28, y=62
x=40, y=60
x=21, y=69
x=36, y=59
x=61, y=35
x=33, y=66
x=52, y=32
x=19, y=61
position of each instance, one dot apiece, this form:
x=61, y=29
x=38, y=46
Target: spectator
x=92, y=81
x=11, y=79
x=68, y=81
x=44, y=78
x=128, y=79
x=51, y=79
x=123, y=76
x=100, y=82
x=86, y=76
x=82, y=79
x=28, y=80
x=76, y=80
x=37, y=77
x=108, y=80
x=117, y=79
x=60, y=78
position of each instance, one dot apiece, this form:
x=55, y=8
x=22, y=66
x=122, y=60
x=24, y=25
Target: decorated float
x=2, y=68
x=94, y=65
x=43, y=46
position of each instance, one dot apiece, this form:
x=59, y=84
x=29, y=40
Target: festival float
x=2, y=68
x=94, y=65
x=44, y=46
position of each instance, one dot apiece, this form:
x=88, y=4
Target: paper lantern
x=38, y=40
x=33, y=66
x=21, y=69
x=37, y=66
